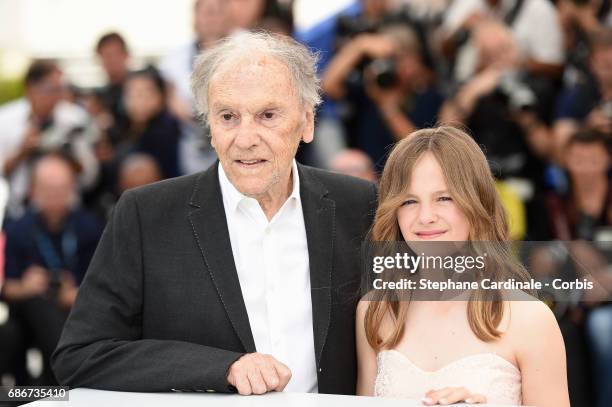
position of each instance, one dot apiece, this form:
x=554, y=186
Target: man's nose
x=247, y=135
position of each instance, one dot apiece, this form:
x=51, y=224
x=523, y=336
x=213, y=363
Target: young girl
x=437, y=186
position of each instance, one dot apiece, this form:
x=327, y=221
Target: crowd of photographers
x=530, y=79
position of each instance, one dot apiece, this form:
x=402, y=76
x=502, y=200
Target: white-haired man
x=244, y=277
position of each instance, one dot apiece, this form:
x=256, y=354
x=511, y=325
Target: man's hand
x=375, y=45
x=461, y=106
x=68, y=290
x=599, y=121
x=35, y=281
x=384, y=98
x=255, y=373
x=584, y=15
x=31, y=140
x=483, y=83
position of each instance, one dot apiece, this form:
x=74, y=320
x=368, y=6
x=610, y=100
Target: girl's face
x=142, y=99
x=428, y=211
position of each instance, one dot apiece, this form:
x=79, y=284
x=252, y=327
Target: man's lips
x=430, y=234
x=250, y=162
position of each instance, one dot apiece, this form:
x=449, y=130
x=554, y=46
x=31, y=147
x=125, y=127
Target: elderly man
x=244, y=277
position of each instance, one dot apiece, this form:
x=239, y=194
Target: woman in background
x=150, y=128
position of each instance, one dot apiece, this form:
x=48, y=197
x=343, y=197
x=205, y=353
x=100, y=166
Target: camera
x=515, y=93
x=384, y=71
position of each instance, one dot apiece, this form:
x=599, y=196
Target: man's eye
x=227, y=116
x=268, y=115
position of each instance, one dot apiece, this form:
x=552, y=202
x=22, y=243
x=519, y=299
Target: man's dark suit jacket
x=161, y=308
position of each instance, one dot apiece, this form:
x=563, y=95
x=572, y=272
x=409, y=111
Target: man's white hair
x=300, y=61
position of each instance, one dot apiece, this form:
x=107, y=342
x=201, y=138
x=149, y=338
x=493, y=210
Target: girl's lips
x=430, y=234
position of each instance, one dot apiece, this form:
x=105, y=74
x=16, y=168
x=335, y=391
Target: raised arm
x=339, y=68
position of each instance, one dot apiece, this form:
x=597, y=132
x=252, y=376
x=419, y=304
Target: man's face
x=53, y=188
x=114, y=59
x=246, y=14
x=376, y=8
x=257, y=121
x=601, y=64
x=46, y=93
x=211, y=19
x=587, y=160
x=408, y=67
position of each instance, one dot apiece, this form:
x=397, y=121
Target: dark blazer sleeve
x=102, y=345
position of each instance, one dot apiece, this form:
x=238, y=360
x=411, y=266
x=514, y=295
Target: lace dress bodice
x=483, y=373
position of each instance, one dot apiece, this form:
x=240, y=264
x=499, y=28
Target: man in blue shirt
x=47, y=252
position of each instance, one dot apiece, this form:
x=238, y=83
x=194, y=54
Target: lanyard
x=53, y=260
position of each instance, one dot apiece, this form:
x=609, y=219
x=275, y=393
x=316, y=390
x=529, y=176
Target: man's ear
x=308, y=133
x=210, y=132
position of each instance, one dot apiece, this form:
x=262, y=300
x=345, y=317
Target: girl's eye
x=445, y=198
x=408, y=202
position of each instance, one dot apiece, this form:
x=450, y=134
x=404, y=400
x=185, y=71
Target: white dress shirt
x=272, y=262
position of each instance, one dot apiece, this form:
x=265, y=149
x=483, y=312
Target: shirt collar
x=232, y=197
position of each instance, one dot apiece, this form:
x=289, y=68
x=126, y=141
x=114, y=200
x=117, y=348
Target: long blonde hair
x=472, y=188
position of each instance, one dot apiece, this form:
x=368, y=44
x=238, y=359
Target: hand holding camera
x=600, y=118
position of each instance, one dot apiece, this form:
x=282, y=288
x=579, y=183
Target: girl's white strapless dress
x=484, y=373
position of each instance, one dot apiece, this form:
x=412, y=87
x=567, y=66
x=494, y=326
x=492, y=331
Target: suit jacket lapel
x=319, y=218
x=209, y=226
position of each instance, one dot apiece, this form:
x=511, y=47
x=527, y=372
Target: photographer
x=584, y=212
x=114, y=55
x=47, y=253
x=588, y=104
x=387, y=86
x=581, y=19
x=506, y=109
x=534, y=24
x=586, y=206
x=39, y=123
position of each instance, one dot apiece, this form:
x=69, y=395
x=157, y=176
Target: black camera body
x=383, y=69
x=516, y=93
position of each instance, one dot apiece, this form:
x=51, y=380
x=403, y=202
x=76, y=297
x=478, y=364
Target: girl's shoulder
x=529, y=322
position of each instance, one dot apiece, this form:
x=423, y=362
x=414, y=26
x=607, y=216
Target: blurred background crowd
x=530, y=79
